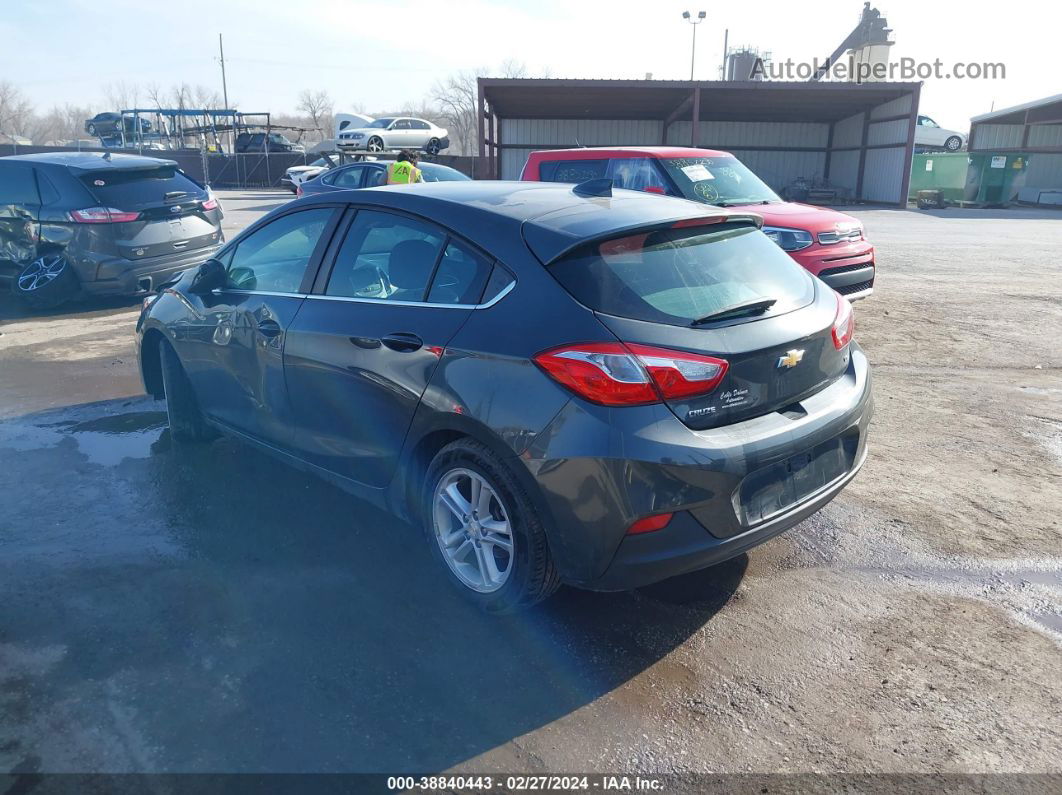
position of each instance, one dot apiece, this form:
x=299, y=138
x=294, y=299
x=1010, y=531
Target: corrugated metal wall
x=997, y=136
x=849, y=131
x=883, y=170
x=883, y=174
x=1043, y=135
x=1045, y=171
x=730, y=135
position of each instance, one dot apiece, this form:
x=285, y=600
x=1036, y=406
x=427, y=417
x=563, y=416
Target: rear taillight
x=298, y=190
x=102, y=215
x=843, y=323
x=210, y=204
x=618, y=374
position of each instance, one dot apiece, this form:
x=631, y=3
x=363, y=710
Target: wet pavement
x=172, y=608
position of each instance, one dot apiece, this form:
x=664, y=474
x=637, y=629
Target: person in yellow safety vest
x=404, y=171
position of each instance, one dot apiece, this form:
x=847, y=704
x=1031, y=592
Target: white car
x=930, y=134
x=395, y=132
x=296, y=175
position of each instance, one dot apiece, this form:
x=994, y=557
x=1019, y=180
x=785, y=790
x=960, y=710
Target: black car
x=108, y=124
x=558, y=385
x=371, y=174
x=107, y=224
x=265, y=142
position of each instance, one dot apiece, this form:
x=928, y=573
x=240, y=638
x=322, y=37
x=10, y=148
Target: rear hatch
x=723, y=290
x=167, y=211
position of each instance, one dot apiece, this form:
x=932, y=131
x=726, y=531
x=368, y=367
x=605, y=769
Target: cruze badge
x=791, y=359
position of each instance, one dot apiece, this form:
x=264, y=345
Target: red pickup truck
x=828, y=243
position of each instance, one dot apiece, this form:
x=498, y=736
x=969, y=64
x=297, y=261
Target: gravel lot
x=216, y=611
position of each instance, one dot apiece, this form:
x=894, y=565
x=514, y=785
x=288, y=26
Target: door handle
x=268, y=328
x=403, y=342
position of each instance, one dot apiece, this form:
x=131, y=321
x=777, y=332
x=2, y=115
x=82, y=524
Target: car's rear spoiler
x=549, y=244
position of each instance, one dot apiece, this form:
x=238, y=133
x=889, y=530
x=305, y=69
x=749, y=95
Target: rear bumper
x=728, y=487
x=115, y=276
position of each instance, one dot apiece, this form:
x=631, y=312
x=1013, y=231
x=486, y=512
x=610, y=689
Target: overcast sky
x=381, y=55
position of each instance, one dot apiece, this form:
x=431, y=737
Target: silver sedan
x=401, y=132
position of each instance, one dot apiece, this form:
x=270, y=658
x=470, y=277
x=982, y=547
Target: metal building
x=856, y=136
x=1033, y=129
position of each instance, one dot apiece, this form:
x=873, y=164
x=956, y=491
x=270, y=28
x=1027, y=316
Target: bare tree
x=122, y=95
x=16, y=111
x=60, y=125
x=457, y=100
x=317, y=105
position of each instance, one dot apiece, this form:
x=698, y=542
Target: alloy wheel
x=473, y=530
x=375, y=145
x=41, y=272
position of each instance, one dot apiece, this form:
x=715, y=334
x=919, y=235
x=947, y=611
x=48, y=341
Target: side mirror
x=209, y=276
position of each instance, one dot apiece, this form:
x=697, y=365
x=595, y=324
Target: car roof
x=92, y=161
x=550, y=216
x=590, y=152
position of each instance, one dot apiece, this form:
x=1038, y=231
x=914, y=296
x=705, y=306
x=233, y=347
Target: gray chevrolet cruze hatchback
x=558, y=384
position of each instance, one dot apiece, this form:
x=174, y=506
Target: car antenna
x=594, y=187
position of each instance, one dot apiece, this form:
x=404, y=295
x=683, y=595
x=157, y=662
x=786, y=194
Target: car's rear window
x=129, y=188
x=677, y=276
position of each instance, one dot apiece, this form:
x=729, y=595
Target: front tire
x=483, y=528
x=953, y=144
x=375, y=144
x=186, y=420
x=46, y=282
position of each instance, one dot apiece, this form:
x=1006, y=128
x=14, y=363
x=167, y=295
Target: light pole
x=695, y=22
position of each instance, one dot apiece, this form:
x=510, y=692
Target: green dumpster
x=994, y=179
x=943, y=171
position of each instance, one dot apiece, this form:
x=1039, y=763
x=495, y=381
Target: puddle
x=106, y=440
x=1029, y=589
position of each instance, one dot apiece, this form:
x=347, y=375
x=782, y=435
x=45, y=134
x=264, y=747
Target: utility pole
x=224, y=85
x=695, y=22
x=225, y=97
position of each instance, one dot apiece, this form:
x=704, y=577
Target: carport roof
x=660, y=99
x=1048, y=109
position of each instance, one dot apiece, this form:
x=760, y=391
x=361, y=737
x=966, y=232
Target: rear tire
x=92, y=130
x=46, y=282
x=529, y=573
x=186, y=420
x=433, y=147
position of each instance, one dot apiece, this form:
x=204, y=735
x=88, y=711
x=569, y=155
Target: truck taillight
x=843, y=323
x=625, y=374
x=102, y=215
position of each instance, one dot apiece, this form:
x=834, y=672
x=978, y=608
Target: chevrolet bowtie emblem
x=791, y=359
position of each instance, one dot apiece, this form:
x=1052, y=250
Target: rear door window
x=386, y=257
x=571, y=170
x=348, y=178
x=678, y=276
x=460, y=277
x=17, y=184
x=128, y=189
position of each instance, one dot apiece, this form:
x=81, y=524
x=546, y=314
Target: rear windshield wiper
x=756, y=307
